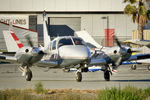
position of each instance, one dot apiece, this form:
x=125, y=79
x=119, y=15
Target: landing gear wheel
x=106, y=75
x=133, y=67
x=28, y=75
x=148, y=67
x=78, y=76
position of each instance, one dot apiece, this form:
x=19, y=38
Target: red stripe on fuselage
x=20, y=45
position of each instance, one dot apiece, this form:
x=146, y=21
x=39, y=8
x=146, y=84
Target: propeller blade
x=118, y=62
x=117, y=41
x=29, y=40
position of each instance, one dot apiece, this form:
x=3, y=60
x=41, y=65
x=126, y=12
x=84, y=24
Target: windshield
x=65, y=41
x=78, y=41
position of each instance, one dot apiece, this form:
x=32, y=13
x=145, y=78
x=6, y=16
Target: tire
x=78, y=76
x=28, y=75
x=148, y=67
x=106, y=75
x=133, y=67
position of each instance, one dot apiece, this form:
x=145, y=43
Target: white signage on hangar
x=17, y=20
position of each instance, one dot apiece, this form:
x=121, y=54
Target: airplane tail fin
x=12, y=41
x=45, y=31
x=87, y=38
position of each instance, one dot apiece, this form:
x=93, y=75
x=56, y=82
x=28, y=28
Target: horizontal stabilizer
x=87, y=38
x=10, y=43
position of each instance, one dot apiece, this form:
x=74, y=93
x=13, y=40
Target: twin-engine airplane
x=61, y=52
x=68, y=52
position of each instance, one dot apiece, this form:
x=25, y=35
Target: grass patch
x=17, y=95
x=38, y=93
x=127, y=93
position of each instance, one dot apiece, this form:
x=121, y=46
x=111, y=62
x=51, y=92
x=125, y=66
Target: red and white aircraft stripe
x=19, y=44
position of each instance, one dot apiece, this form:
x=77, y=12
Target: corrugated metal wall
x=62, y=5
x=95, y=25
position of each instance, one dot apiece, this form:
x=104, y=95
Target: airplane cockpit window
x=78, y=41
x=54, y=45
x=65, y=41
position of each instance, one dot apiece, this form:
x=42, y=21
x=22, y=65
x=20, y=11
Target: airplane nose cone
x=74, y=52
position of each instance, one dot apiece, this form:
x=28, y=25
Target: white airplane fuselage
x=64, y=52
x=73, y=54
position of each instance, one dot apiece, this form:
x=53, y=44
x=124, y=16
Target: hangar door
x=64, y=26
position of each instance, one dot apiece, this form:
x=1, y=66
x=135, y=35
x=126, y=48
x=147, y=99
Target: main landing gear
x=79, y=73
x=78, y=76
x=107, y=75
x=133, y=67
x=26, y=72
x=107, y=72
x=148, y=67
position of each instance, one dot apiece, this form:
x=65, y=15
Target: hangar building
x=67, y=16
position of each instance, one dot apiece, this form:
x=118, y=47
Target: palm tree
x=139, y=12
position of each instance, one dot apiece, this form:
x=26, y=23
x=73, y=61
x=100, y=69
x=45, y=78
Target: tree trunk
x=140, y=24
x=140, y=28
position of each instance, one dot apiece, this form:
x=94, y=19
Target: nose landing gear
x=107, y=75
x=78, y=76
x=28, y=74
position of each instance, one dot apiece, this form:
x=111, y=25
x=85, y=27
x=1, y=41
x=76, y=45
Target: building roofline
x=62, y=12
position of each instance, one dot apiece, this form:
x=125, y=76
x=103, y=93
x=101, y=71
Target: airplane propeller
x=29, y=40
x=122, y=51
x=31, y=44
x=117, y=42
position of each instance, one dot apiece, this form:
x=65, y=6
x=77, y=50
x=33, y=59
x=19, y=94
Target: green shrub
x=147, y=92
x=39, y=89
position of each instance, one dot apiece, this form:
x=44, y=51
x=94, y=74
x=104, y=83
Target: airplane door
x=54, y=52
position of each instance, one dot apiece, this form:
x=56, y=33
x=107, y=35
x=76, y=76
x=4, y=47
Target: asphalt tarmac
x=10, y=78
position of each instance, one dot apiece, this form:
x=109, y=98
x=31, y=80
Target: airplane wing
x=134, y=59
x=138, y=42
x=144, y=61
x=8, y=59
x=98, y=62
x=47, y=63
x=138, y=59
x=100, y=59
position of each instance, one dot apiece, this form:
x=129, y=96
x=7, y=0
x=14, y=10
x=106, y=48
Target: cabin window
x=54, y=45
x=65, y=41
